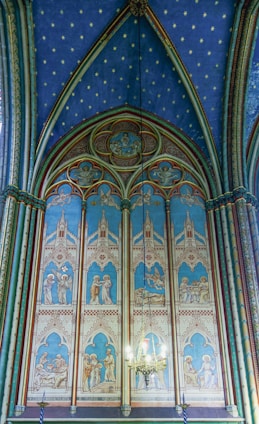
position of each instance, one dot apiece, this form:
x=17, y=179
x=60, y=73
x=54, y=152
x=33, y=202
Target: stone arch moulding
x=126, y=162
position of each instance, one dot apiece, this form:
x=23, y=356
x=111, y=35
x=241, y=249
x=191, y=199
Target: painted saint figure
x=95, y=290
x=125, y=144
x=50, y=373
x=47, y=289
x=166, y=174
x=60, y=369
x=190, y=373
x=95, y=377
x=196, y=292
x=207, y=375
x=109, y=364
x=87, y=368
x=43, y=359
x=84, y=175
x=184, y=290
x=42, y=377
x=100, y=291
x=106, y=285
x=204, y=290
x=64, y=284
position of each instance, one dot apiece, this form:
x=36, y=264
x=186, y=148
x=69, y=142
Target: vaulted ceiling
x=190, y=63
x=87, y=57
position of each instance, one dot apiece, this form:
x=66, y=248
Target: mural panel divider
x=125, y=315
x=78, y=312
x=172, y=307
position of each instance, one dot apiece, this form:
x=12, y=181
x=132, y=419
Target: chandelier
x=145, y=363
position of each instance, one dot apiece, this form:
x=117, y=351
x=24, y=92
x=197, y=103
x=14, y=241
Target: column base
x=19, y=410
x=179, y=409
x=232, y=410
x=72, y=409
x=126, y=410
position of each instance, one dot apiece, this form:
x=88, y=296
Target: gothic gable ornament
x=138, y=7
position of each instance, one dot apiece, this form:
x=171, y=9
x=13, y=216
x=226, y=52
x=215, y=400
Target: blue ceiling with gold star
x=93, y=56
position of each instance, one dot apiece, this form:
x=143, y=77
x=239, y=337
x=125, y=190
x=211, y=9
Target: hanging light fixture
x=147, y=361
x=150, y=357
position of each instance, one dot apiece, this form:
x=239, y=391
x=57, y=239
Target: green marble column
x=241, y=323
x=12, y=283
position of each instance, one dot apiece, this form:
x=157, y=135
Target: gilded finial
x=138, y=7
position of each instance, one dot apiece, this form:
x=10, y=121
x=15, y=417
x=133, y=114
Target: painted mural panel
x=80, y=275
x=100, y=341
x=53, y=344
x=51, y=370
x=156, y=381
x=150, y=288
x=99, y=365
x=149, y=247
x=200, y=367
x=102, y=247
x=191, y=246
x=51, y=360
x=61, y=237
x=200, y=371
